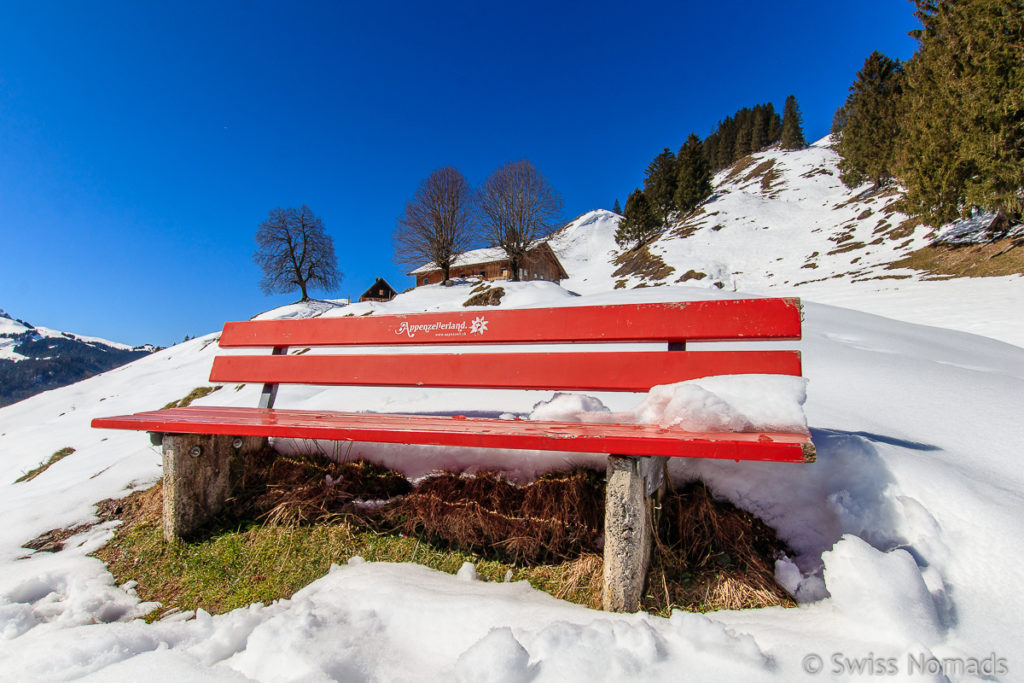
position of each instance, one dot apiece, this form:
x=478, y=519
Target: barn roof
x=476, y=257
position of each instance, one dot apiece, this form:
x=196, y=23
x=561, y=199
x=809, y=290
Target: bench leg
x=627, y=529
x=201, y=472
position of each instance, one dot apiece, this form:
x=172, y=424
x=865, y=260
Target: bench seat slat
x=778, y=319
x=586, y=371
x=618, y=439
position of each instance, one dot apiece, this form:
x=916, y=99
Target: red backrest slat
x=588, y=371
x=777, y=319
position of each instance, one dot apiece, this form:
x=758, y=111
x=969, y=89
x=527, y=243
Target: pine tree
x=617, y=208
x=639, y=224
x=871, y=123
x=694, y=184
x=774, y=130
x=963, y=136
x=838, y=122
x=792, y=136
x=744, y=124
x=660, y=185
x=759, y=129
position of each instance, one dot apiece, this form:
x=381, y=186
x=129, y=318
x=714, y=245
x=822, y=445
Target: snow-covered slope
x=780, y=223
x=905, y=532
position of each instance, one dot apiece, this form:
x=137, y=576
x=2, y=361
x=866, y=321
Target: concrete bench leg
x=201, y=472
x=627, y=529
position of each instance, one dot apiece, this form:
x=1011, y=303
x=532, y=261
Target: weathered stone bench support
x=201, y=472
x=628, y=522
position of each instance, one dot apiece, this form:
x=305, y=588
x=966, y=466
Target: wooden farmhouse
x=492, y=264
x=380, y=291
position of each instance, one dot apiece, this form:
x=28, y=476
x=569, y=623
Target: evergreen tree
x=639, y=224
x=748, y=130
x=694, y=185
x=660, y=185
x=759, y=129
x=744, y=124
x=838, y=122
x=963, y=136
x=792, y=136
x=709, y=148
x=774, y=129
x=617, y=208
x=871, y=123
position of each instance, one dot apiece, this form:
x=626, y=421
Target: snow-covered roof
x=475, y=257
x=469, y=258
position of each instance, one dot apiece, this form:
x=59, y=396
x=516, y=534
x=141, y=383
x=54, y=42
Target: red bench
x=205, y=446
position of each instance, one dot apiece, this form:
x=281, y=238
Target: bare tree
x=438, y=224
x=517, y=206
x=295, y=252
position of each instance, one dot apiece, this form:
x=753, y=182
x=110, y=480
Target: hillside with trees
x=947, y=126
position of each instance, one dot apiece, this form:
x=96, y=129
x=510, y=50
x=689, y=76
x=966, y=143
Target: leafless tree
x=517, y=206
x=438, y=223
x=295, y=252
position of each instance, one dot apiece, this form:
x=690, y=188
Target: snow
x=803, y=234
x=905, y=534
x=734, y=403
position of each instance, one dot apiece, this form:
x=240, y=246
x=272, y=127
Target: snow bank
x=725, y=403
x=904, y=534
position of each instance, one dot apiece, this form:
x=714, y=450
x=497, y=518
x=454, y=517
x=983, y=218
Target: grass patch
x=195, y=394
x=486, y=297
x=991, y=259
x=769, y=185
x=304, y=515
x=739, y=167
x=692, y=275
x=849, y=246
x=643, y=264
x=54, y=459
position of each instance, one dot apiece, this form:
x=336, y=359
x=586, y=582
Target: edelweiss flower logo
x=479, y=325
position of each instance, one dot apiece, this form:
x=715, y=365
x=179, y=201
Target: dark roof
x=381, y=283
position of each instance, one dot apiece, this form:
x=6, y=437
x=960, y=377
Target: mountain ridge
x=35, y=359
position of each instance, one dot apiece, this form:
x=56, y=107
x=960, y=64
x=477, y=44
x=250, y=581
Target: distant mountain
x=35, y=359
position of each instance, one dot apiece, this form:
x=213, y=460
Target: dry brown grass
x=486, y=297
x=54, y=459
x=1001, y=257
x=739, y=167
x=711, y=555
x=643, y=264
x=195, y=394
x=554, y=518
x=301, y=514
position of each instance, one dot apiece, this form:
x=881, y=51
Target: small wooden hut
x=380, y=291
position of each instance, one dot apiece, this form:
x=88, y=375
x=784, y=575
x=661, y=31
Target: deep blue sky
x=141, y=143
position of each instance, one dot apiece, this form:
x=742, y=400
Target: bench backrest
x=636, y=371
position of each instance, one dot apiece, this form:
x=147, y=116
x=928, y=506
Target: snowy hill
x=780, y=223
x=904, y=533
x=35, y=359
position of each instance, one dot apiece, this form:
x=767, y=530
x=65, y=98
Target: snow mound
x=725, y=403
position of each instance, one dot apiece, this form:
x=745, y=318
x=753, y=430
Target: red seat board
x=587, y=371
x=680, y=321
x=619, y=439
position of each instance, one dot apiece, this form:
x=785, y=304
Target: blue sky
x=142, y=143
